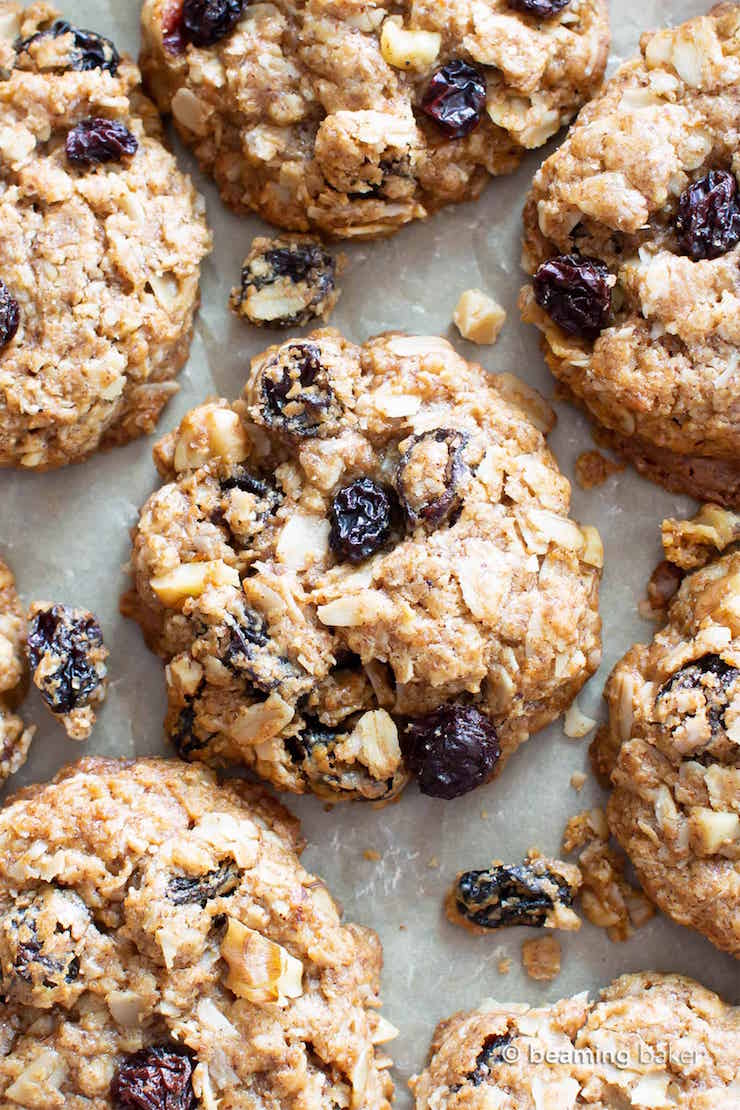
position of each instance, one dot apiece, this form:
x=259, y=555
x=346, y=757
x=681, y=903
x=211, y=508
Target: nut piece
x=478, y=317
x=260, y=970
x=576, y=724
x=208, y=432
x=191, y=580
x=541, y=957
x=377, y=738
x=408, y=49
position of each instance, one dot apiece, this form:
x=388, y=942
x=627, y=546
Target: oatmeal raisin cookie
x=352, y=118
x=365, y=566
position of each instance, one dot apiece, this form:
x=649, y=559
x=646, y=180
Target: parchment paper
x=66, y=536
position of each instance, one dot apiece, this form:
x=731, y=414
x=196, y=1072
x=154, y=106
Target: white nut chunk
x=259, y=969
x=208, y=432
x=478, y=317
x=192, y=580
x=405, y=49
x=377, y=737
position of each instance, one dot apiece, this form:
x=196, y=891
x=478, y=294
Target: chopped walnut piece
x=576, y=724
x=593, y=469
x=478, y=317
x=259, y=969
x=541, y=958
x=607, y=899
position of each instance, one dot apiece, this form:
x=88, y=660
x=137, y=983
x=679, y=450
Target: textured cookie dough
x=649, y=1041
x=537, y=892
x=662, y=377
x=102, y=261
x=287, y=656
x=287, y=282
x=149, y=917
x=311, y=113
x=15, y=738
x=68, y=664
x=672, y=750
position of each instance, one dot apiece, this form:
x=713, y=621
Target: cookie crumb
x=484, y=815
x=67, y=658
x=287, y=282
x=607, y=899
x=478, y=317
x=537, y=892
x=433, y=862
x=576, y=724
x=371, y=855
x=578, y=780
x=541, y=958
x=593, y=469
x=504, y=965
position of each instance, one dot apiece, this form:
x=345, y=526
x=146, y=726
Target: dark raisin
x=361, y=516
x=245, y=635
x=491, y=1053
x=89, y=50
x=10, y=315
x=296, y=393
x=713, y=679
x=314, y=751
x=156, y=1078
x=455, y=98
x=283, y=268
x=186, y=889
x=708, y=219
x=68, y=643
x=575, y=293
x=429, y=474
x=503, y=896
x=450, y=751
x=183, y=736
x=241, y=479
x=206, y=22
x=96, y=141
x=543, y=9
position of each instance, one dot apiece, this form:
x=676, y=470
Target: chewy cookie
x=632, y=233
x=352, y=119
x=161, y=946
x=365, y=567
x=649, y=1041
x=15, y=738
x=672, y=746
x=101, y=240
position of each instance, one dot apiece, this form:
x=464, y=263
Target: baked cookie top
x=672, y=747
x=158, y=934
x=101, y=240
x=650, y=1040
x=370, y=551
x=353, y=119
x=632, y=228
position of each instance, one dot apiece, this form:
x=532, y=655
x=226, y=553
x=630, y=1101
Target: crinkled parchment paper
x=66, y=537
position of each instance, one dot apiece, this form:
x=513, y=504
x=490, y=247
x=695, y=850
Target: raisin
x=10, y=316
x=155, y=1078
x=96, y=141
x=450, y=751
x=185, y=889
x=710, y=677
x=455, y=98
x=67, y=642
x=245, y=635
x=361, y=516
x=205, y=22
x=296, y=394
x=89, y=50
x=575, y=292
x=503, y=896
x=241, y=479
x=543, y=9
x=708, y=219
x=491, y=1053
x=428, y=476
x=183, y=737
x=301, y=272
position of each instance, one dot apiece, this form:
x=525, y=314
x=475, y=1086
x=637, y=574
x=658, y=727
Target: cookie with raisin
x=632, y=238
x=101, y=240
x=352, y=119
x=365, y=569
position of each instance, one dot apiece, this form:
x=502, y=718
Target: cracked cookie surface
x=15, y=738
x=672, y=746
x=373, y=537
x=168, y=936
x=625, y=1049
x=646, y=188
x=352, y=119
x=100, y=257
